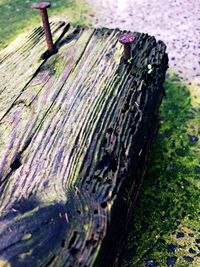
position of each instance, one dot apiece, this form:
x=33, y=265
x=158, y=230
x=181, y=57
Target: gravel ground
x=176, y=22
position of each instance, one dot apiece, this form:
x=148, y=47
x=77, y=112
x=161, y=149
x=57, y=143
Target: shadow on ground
x=165, y=226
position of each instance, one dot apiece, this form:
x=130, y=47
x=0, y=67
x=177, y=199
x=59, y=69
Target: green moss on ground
x=18, y=16
x=165, y=225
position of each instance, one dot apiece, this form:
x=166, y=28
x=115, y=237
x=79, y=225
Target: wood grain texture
x=73, y=147
x=19, y=61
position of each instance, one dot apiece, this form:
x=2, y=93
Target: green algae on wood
x=33, y=102
x=75, y=140
x=19, y=63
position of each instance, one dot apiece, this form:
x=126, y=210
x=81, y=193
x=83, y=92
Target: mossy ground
x=17, y=16
x=165, y=227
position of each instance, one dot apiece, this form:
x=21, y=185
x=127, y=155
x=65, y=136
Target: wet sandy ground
x=176, y=22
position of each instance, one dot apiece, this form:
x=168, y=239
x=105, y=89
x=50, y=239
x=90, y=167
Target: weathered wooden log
x=75, y=133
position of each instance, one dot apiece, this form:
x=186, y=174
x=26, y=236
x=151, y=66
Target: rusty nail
x=126, y=40
x=42, y=6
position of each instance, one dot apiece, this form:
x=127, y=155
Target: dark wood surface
x=75, y=133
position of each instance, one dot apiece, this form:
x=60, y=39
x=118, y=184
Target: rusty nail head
x=42, y=6
x=126, y=40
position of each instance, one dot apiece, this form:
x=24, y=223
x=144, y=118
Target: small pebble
x=179, y=235
x=197, y=169
x=144, y=226
x=184, y=205
x=183, y=214
x=171, y=248
x=175, y=79
x=172, y=166
x=185, y=182
x=191, y=235
x=188, y=259
x=150, y=263
x=171, y=261
x=192, y=251
x=180, y=152
x=193, y=138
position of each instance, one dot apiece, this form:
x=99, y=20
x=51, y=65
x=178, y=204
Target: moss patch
x=165, y=224
x=18, y=16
